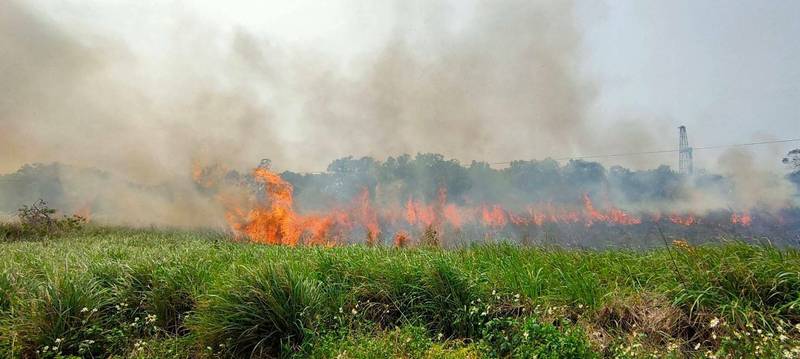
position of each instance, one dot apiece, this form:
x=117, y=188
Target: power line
x=625, y=154
x=747, y=144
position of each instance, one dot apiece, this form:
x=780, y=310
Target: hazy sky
x=728, y=70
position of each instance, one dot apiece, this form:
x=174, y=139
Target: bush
x=508, y=337
x=39, y=221
x=405, y=341
x=262, y=314
x=163, y=289
x=448, y=302
x=66, y=316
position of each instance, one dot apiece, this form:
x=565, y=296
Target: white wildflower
x=714, y=322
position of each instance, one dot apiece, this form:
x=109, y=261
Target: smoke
x=755, y=186
x=502, y=83
x=506, y=85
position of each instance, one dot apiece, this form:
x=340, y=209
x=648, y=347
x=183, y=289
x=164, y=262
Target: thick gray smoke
x=504, y=85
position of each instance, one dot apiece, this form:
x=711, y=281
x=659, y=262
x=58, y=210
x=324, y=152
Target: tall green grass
x=169, y=293
x=269, y=309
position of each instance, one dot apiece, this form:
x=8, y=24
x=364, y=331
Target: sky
x=725, y=69
x=636, y=70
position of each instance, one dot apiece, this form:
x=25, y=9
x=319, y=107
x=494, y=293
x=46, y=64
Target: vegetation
x=39, y=221
x=421, y=176
x=129, y=293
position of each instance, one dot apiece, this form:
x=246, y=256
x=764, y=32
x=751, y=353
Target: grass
x=138, y=293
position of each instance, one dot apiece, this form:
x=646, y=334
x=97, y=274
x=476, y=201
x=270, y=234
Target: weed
x=528, y=338
x=270, y=309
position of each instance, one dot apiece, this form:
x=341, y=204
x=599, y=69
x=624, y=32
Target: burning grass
x=146, y=293
x=264, y=210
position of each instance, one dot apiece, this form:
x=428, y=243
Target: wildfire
x=84, y=211
x=614, y=215
x=743, y=219
x=272, y=219
x=686, y=220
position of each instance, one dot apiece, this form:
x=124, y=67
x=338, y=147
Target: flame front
x=273, y=218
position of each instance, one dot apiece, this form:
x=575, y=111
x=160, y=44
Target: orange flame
x=273, y=219
x=494, y=217
x=401, y=239
x=686, y=220
x=614, y=215
x=743, y=219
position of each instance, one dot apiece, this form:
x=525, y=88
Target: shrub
x=448, y=301
x=165, y=290
x=405, y=341
x=67, y=315
x=261, y=314
x=39, y=221
x=527, y=338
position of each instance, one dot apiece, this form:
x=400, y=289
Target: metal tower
x=684, y=153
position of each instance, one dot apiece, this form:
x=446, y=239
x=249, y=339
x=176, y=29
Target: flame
x=269, y=217
x=452, y=215
x=274, y=221
x=401, y=239
x=368, y=218
x=743, y=219
x=84, y=211
x=614, y=215
x=494, y=217
x=686, y=220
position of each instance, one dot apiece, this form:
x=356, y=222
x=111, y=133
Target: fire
x=743, y=219
x=273, y=220
x=401, y=239
x=686, y=220
x=494, y=217
x=368, y=218
x=84, y=211
x=614, y=215
x=275, y=223
x=452, y=215
x=270, y=217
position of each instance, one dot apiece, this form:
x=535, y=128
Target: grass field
x=171, y=294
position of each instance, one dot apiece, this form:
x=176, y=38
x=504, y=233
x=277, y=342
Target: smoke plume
x=505, y=84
